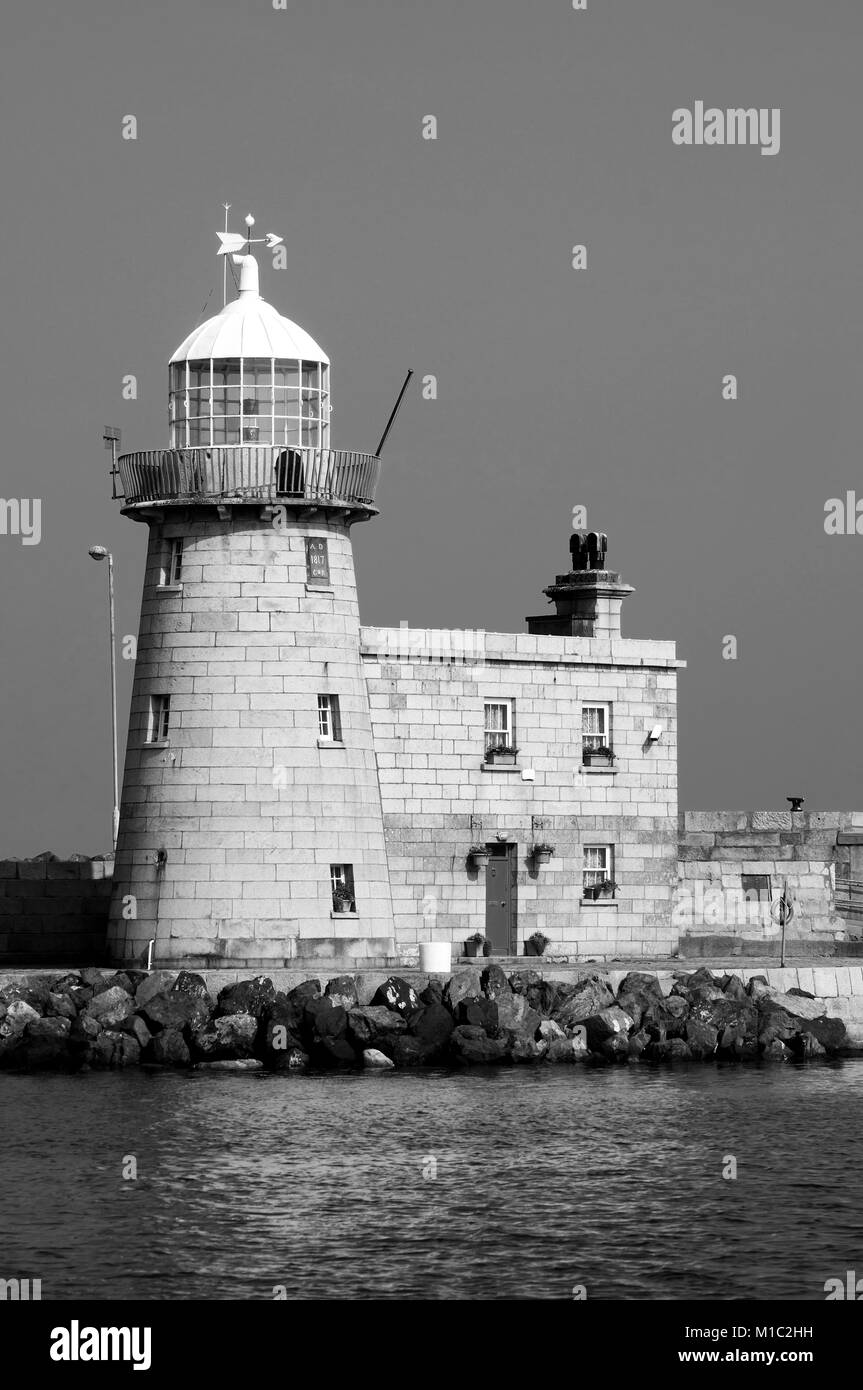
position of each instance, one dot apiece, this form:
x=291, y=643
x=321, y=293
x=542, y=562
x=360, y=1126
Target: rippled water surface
x=545, y=1178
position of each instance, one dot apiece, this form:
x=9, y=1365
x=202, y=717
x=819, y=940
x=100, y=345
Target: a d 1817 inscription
x=317, y=563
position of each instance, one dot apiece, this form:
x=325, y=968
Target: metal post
x=391, y=420
x=116, y=816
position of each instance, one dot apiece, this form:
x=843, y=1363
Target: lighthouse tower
x=251, y=830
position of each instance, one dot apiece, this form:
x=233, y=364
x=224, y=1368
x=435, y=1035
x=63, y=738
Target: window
x=498, y=724
x=329, y=718
x=598, y=869
x=342, y=885
x=172, y=569
x=595, y=727
x=160, y=717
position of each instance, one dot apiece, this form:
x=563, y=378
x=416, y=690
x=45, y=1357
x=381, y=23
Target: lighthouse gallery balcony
x=251, y=474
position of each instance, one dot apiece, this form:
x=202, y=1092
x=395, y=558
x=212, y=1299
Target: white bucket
x=436, y=957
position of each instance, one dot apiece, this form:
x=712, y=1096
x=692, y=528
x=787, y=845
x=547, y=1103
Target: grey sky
x=557, y=387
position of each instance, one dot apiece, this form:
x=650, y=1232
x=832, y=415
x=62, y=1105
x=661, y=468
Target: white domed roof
x=249, y=327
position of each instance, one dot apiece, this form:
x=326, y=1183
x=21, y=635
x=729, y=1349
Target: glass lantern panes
x=249, y=401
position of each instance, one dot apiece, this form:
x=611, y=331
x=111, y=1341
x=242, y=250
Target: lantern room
x=249, y=376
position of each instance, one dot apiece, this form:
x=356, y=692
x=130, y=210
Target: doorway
x=500, y=898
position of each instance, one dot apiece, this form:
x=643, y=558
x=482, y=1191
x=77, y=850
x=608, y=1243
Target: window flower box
x=504, y=754
x=605, y=889
x=601, y=756
x=542, y=854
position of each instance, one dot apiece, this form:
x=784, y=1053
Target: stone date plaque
x=317, y=564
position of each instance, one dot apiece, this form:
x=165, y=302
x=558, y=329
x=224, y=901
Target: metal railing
x=254, y=473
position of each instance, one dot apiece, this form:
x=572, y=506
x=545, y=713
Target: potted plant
x=535, y=944
x=542, y=853
x=600, y=756
x=503, y=753
x=474, y=944
x=343, y=899
x=480, y=855
x=603, y=889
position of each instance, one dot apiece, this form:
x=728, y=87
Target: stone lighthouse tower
x=251, y=830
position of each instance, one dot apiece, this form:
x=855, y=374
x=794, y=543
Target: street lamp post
x=98, y=552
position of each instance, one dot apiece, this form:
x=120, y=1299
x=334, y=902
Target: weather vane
x=233, y=243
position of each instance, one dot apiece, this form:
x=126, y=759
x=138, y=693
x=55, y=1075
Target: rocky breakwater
x=88, y=1019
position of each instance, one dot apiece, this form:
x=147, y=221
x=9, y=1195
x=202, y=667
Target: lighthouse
x=251, y=830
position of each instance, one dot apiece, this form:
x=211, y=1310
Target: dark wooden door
x=500, y=899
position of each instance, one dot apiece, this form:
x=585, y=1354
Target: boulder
x=324, y=1019
x=830, y=1033
x=125, y=1049
x=702, y=1038
x=174, y=1011
x=233, y=1038
x=806, y=1045
x=494, y=983
x=566, y=1050
x=638, y=1042
x=587, y=999
x=334, y=1052
x=606, y=1024
x=433, y=1025
x=157, y=982
x=232, y=1064
x=735, y=1040
x=195, y=985
x=774, y=1051
x=546, y=995
x=798, y=1005
x=276, y=1045
x=470, y=1046
x=520, y=981
x=373, y=1058
x=95, y=979
x=525, y=1049
x=640, y=983
x=18, y=1014
x=757, y=986
x=397, y=994
x=33, y=992
x=464, y=984
x=135, y=1026
x=409, y=1051
x=62, y=1006
x=61, y=984
x=733, y=987
x=369, y=1025
x=343, y=991
x=301, y=994
x=433, y=993
x=45, y=1044
x=168, y=1048
x=288, y=1012
x=112, y=1005
x=516, y=1018
x=479, y=1013
x=549, y=1030
x=615, y=1049
x=247, y=997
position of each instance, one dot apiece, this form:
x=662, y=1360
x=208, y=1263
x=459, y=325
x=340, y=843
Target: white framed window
x=329, y=718
x=172, y=569
x=160, y=718
x=595, y=726
x=342, y=885
x=499, y=724
x=598, y=866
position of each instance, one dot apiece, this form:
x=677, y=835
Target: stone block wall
x=797, y=848
x=54, y=910
x=439, y=797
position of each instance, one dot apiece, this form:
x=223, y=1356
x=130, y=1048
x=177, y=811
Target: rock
x=588, y=998
x=373, y=1023
x=608, y=1023
x=49, y=1028
x=739, y=1013
x=168, y=1048
x=522, y=980
x=135, y=1026
x=373, y=1058
x=479, y=1013
x=775, y=1051
x=801, y=993
x=566, y=1050
x=616, y=1048
x=757, y=986
x=158, y=982
x=549, y=1030
x=297, y=1060
x=469, y=1046
x=638, y=1042
x=639, y=983
x=247, y=997
x=702, y=1038
x=62, y=1006
x=325, y=1019
x=807, y=1045
x=672, y=1050
x=112, y=1005
x=799, y=1006
x=397, y=994
x=94, y=979
x=679, y=1050
x=19, y=1014
x=126, y=1052
x=237, y=1033
x=408, y=1051
x=61, y=984
x=735, y=1040
x=232, y=1064
x=546, y=995
x=433, y=1025
x=494, y=983
x=830, y=1033
x=525, y=1049
x=734, y=988
x=174, y=1011
x=301, y=994
x=194, y=985
x=277, y=1044
x=343, y=991
x=121, y=979
x=334, y=1052
x=516, y=1018
x=34, y=992
x=433, y=993
x=83, y=1030
x=464, y=984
